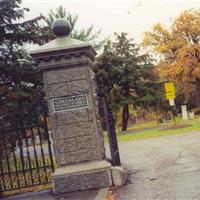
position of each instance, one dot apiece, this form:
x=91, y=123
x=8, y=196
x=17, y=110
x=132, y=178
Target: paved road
x=166, y=167
x=38, y=150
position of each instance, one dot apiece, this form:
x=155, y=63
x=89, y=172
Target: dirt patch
x=111, y=195
x=172, y=127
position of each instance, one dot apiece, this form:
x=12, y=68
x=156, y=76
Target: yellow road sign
x=170, y=90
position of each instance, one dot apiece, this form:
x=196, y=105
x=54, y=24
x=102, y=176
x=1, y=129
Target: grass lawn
x=151, y=129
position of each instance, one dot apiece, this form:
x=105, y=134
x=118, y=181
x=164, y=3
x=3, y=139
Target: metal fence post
x=1, y=191
x=110, y=125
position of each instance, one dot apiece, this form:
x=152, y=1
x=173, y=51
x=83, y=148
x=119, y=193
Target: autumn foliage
x=177, y=50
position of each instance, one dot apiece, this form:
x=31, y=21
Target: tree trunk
x=125, y=112
x=125, y=117
x=198, y=92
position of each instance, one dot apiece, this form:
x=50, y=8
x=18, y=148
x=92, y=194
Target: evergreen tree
x=18, y=76
x=129, y=77
x=84, y=34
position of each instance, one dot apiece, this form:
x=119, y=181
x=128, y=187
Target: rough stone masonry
x=77, y=137
x=70, y=89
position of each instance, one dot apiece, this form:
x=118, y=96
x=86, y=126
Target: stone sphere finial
x=61, y=27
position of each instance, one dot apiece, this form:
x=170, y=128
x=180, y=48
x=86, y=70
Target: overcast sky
x=131, y=16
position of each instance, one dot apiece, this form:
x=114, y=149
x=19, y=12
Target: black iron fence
x=26, y=157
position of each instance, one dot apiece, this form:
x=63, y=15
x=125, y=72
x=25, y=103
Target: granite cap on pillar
x=59, y=44
x=64, y=47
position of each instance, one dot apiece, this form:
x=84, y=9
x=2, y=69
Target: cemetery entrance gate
x=26, y=158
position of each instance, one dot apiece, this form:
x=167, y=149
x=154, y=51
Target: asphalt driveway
x=166, y=167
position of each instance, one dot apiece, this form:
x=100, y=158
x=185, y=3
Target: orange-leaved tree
x=178, y=53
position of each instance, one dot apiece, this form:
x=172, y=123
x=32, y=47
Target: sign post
x=170, y=95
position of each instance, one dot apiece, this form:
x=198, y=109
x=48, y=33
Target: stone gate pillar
x=70, y=89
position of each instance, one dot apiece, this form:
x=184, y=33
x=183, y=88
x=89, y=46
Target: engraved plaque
x=70, y=103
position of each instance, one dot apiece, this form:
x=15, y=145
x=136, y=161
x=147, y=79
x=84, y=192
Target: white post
x=184, y=112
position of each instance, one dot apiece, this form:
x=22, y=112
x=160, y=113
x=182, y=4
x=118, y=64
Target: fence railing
x=26, y=156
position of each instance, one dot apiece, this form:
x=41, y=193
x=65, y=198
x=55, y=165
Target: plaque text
x=70, y=103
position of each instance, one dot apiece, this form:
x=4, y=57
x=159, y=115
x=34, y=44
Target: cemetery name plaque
x=69, y=103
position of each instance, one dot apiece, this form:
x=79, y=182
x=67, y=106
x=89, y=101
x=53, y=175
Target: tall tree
x=18, y=76
x=84, y=34
x=179, y=51
x=128, y=76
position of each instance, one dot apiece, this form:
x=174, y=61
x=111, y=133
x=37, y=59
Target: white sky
x=131, y=16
